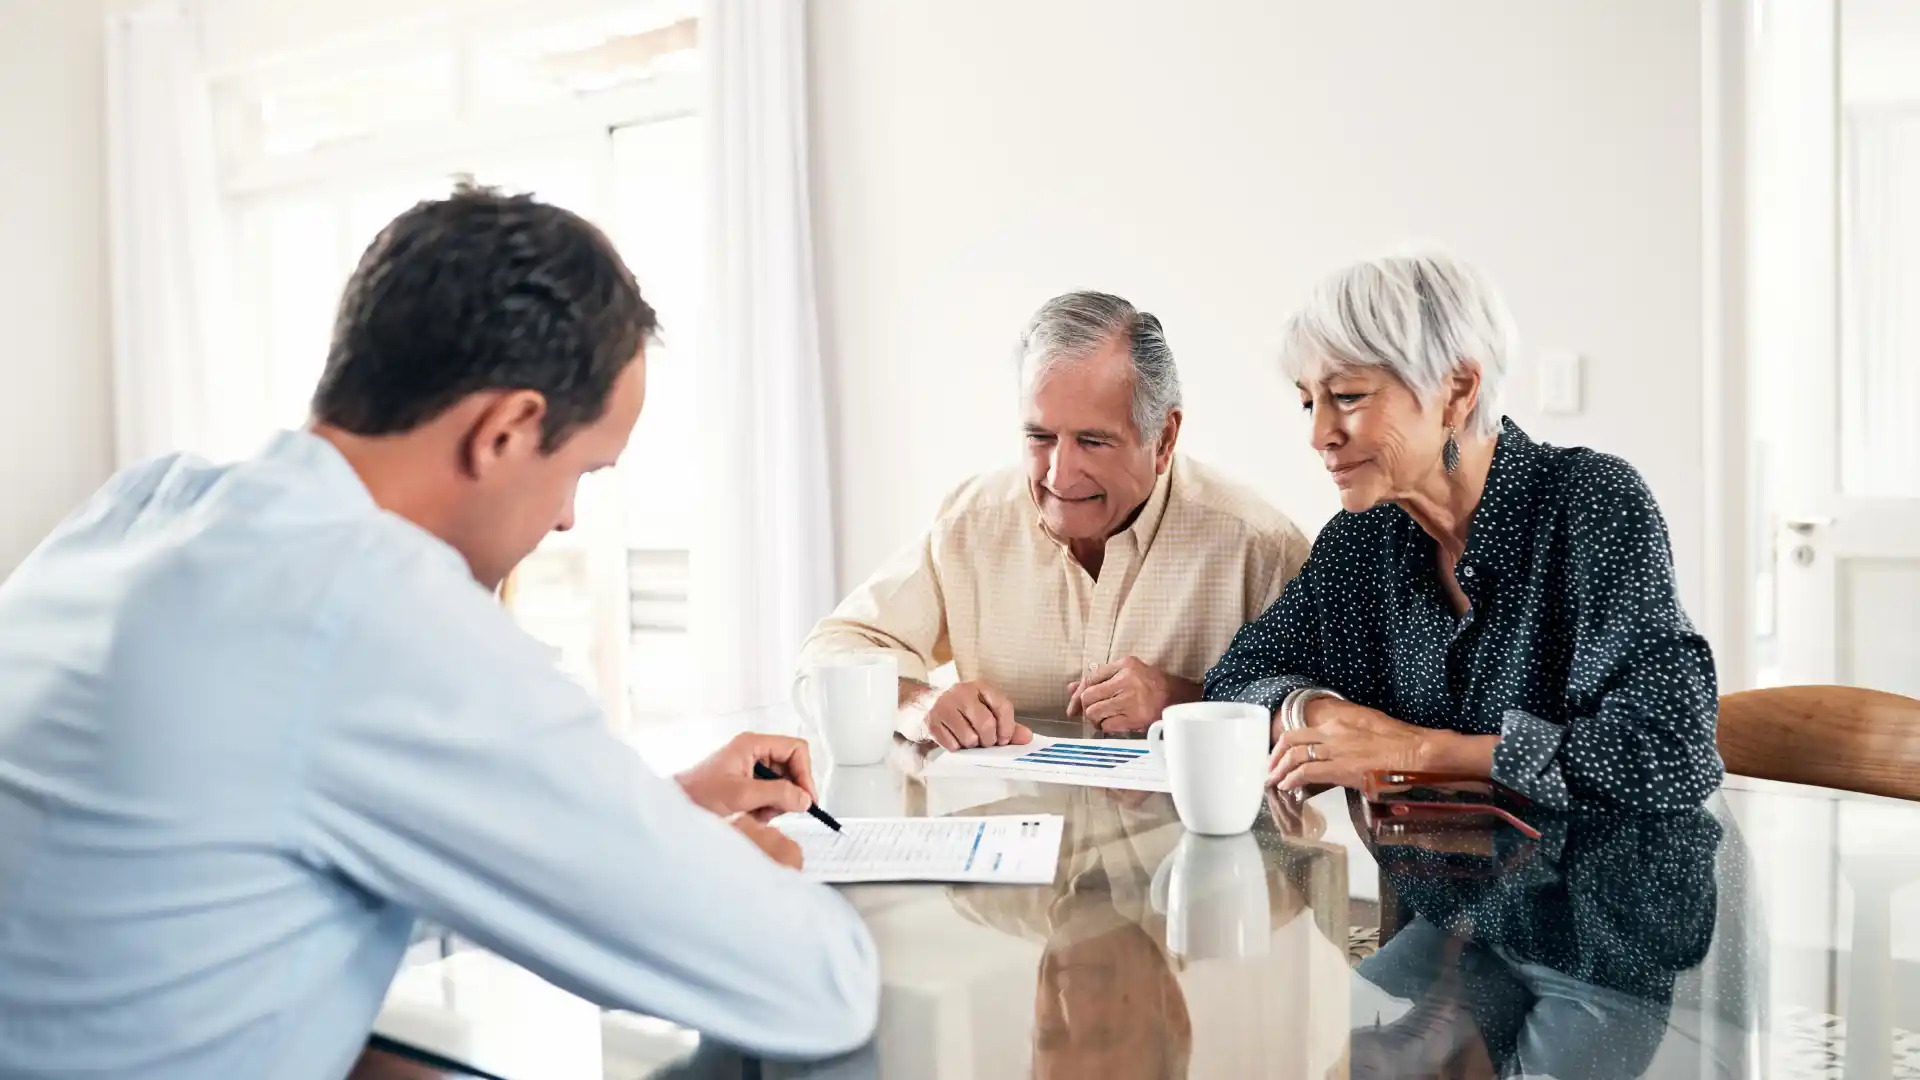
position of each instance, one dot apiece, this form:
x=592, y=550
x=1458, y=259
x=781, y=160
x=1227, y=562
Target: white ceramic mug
x=855, y=697
x=1213, y=891
x=1216, y=753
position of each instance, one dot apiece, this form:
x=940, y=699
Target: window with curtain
x=595, y=111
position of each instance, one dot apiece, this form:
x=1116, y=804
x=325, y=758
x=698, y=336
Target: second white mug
x=1216, y=754
x=855, y=696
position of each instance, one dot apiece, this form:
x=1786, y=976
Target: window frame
x=335, y=175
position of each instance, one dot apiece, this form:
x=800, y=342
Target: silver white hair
x=1075, y=325
x=1421, y=316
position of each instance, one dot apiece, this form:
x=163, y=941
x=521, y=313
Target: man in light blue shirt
x=257, y=719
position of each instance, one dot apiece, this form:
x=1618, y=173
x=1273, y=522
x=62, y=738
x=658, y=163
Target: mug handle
x=1162, y=883
x=805, y=697
x=1156, y=735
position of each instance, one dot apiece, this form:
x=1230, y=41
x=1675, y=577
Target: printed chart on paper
x=1112, y=763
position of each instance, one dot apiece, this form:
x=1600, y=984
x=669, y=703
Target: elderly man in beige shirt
x=1101, y=580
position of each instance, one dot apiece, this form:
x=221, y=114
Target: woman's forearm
x=1460, y=755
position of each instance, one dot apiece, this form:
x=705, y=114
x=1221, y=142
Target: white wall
x=56, y=413
x=1208, y=160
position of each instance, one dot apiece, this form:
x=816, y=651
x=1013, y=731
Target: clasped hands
x=1117, y=698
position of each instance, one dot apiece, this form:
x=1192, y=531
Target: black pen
x=761, y=772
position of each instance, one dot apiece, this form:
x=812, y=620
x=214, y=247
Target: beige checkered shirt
x=992, y=591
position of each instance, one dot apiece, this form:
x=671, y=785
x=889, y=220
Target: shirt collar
x=1146, y=524
x=1496, y=539
x=320, y=459
x=335, y=478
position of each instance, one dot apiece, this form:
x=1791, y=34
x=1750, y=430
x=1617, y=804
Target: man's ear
x=507, y=429
x=1169, y=434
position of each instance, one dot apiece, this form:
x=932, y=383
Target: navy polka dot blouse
x=1575, y=650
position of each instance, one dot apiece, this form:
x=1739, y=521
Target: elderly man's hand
x=1127, y=696
x=971, y=714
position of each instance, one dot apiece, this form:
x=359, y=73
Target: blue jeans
x=1426, y=993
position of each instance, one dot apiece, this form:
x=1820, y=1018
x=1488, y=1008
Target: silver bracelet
x=1293, y=709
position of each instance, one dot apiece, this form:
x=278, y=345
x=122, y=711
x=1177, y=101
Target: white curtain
x=1880, y=321
x=165, y=235
x=762, y=565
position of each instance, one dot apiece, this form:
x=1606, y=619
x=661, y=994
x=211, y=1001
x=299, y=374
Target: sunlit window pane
x=289, y=116
x=302, y=275
x=610, y=597
x=609, y=50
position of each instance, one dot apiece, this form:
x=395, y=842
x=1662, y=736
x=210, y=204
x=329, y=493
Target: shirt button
x=1467, y=570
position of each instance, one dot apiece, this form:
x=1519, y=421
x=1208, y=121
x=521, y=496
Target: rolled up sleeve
x=1641, y=693
x=900, y=609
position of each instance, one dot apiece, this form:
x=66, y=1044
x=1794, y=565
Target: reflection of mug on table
x=1213, y=891
x=864, y=791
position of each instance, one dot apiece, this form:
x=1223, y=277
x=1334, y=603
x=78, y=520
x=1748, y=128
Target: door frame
x=1727, y=44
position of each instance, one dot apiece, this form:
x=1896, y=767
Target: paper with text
x=1012, y=850
x=1111, y=763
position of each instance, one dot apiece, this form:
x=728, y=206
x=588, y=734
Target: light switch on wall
x=1560, y=383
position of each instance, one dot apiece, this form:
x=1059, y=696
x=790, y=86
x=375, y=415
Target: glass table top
x=1774, y=933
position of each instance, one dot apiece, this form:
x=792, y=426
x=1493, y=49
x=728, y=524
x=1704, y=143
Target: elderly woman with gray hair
x=1484, y=605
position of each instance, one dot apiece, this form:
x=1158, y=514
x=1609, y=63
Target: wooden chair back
x=1832, y=736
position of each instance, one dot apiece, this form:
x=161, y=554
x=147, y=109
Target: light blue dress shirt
x=252, y=726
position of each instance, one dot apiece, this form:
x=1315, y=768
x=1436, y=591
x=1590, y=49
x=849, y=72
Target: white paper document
x=1112, y=763
x=1018, y=849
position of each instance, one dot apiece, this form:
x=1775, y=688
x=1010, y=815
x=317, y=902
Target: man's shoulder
x=1210, y=495
x=140, y=495
x=190, y=571
x=996, y=497
x=234, y=547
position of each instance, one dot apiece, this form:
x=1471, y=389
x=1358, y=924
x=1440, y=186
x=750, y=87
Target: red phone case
x=1482, y=798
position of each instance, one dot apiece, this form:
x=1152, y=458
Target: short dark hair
x=481, y=291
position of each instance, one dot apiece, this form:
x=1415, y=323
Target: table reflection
x=1147, y=926
x=1550, y=958
x=1108, y=1000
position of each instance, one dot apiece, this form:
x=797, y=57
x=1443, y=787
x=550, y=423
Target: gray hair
x=1075, y=325
x=1422, y=316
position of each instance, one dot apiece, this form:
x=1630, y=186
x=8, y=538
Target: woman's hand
x=1342, y=742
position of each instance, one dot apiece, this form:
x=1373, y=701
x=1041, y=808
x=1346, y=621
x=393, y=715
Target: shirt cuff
x=1528, y=759
x=911, y=724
